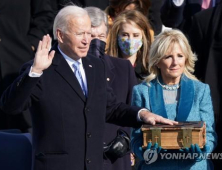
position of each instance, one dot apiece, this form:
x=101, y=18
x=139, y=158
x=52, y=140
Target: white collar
x=69, y=60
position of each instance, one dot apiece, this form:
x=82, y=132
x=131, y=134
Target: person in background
x=206, y=41
x=69, y=99
x=178, y=13
x=149, y=8
x=181, y=97
x=116, y=7
x=59, y=4
x=22, y=25
x=120, y=76
x=130, y=38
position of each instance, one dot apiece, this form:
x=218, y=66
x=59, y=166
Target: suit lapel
x=90, y=76
x=65, y=71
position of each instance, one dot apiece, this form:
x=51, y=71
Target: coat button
x=89, y=135
x=104, y=143
x=86, y=109
x=88, y=161
x=0, y=39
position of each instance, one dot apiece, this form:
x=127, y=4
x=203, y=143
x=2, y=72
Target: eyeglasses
x=82, y=34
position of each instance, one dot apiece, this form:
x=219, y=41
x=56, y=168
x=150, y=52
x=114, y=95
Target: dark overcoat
x=67, y=127
x=121, y=77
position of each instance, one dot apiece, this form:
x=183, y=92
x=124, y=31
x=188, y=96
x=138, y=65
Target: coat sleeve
x=41, y=20
x=207, y=115
x=120, y=113
x=17, y=97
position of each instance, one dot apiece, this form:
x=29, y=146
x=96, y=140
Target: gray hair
x=159, y=48
x=62, y=18
x=97, y=16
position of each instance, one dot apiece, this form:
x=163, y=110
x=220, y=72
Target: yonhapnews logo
x=150, y=156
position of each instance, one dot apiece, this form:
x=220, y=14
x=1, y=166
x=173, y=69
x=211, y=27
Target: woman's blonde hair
x=137, y=19
x=160, y=46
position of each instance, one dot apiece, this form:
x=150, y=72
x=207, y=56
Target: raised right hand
x=43, y=59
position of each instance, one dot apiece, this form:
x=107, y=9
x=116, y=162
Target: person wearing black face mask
x=97, y=48
x=120, y=76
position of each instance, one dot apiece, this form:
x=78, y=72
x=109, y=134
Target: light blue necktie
x=78, y=75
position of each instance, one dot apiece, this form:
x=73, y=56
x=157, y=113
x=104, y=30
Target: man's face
x=100, y=32
x=76, y=40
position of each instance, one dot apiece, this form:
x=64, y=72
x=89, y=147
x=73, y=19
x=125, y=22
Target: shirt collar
x=69, y=60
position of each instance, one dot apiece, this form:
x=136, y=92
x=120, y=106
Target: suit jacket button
x=86, y=109
x=88, y=161
x=89, y=135
x=104, y=143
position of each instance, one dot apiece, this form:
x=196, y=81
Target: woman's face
x=129, y=41
x=130, y=31
x=172, y=65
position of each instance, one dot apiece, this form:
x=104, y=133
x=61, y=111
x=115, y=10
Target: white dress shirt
x=70, y=61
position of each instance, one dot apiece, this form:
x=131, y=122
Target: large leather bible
x=177, y=136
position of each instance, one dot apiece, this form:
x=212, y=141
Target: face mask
x=129, y=46
x=97, y=48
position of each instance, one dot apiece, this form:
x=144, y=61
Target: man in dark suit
x=120, y=76
x=206, y=40
x=67, y=95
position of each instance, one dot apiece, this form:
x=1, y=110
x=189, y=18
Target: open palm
x=43, y=59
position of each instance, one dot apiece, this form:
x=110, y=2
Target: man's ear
x=60, y=35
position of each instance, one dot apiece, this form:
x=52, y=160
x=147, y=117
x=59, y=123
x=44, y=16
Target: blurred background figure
x=178, y=13
x=22, y=25
x=149, y=8
x=58, y=4
x=130, y=38
x=206, y=40
x=120, y=76
x=102, y=4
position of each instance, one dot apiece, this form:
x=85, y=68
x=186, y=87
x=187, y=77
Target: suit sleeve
x=207, y=115
x=119, y=113
x=41, y=20
x=17, y=97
